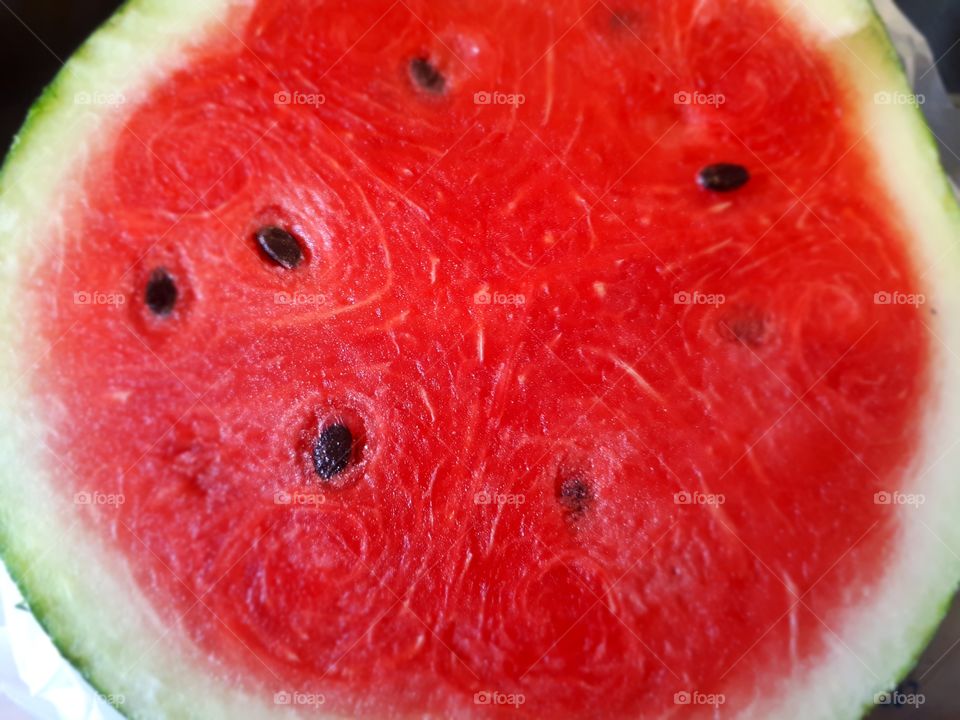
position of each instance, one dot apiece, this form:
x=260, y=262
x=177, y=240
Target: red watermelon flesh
x=616, y=436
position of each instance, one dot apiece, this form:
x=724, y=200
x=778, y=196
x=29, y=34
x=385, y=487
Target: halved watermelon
x=491, y=359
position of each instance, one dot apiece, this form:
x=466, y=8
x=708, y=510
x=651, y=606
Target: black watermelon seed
x=280, y=246
x=426, y=76
x=332, y=450
x=574, y=494
x=161, y=292
x=723, y=177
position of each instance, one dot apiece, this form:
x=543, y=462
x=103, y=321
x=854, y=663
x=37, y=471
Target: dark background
x=36, y=36
x=940, y=22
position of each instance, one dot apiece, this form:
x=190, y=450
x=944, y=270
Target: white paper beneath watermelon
x=36, y=683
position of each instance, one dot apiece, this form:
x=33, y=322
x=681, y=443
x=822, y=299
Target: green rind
x=952, y=208
x=39, y=612
x=16, y=566
x=876, y=34
x=878, y=29
x=51, y=96
x=164, y=28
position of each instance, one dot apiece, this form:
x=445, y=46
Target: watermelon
x=495, y=359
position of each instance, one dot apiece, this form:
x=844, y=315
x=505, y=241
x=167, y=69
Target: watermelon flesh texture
x=569, y=483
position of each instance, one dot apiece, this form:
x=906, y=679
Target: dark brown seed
x=161, y=292
x=280, y=246
x=332, y=450
x=574, y=494
x=426, y=76
x=747, y=326
x=723, y=177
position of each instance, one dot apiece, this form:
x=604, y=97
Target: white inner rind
x=92, y=606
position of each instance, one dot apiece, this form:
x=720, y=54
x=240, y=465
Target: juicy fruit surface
x=615, y=436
